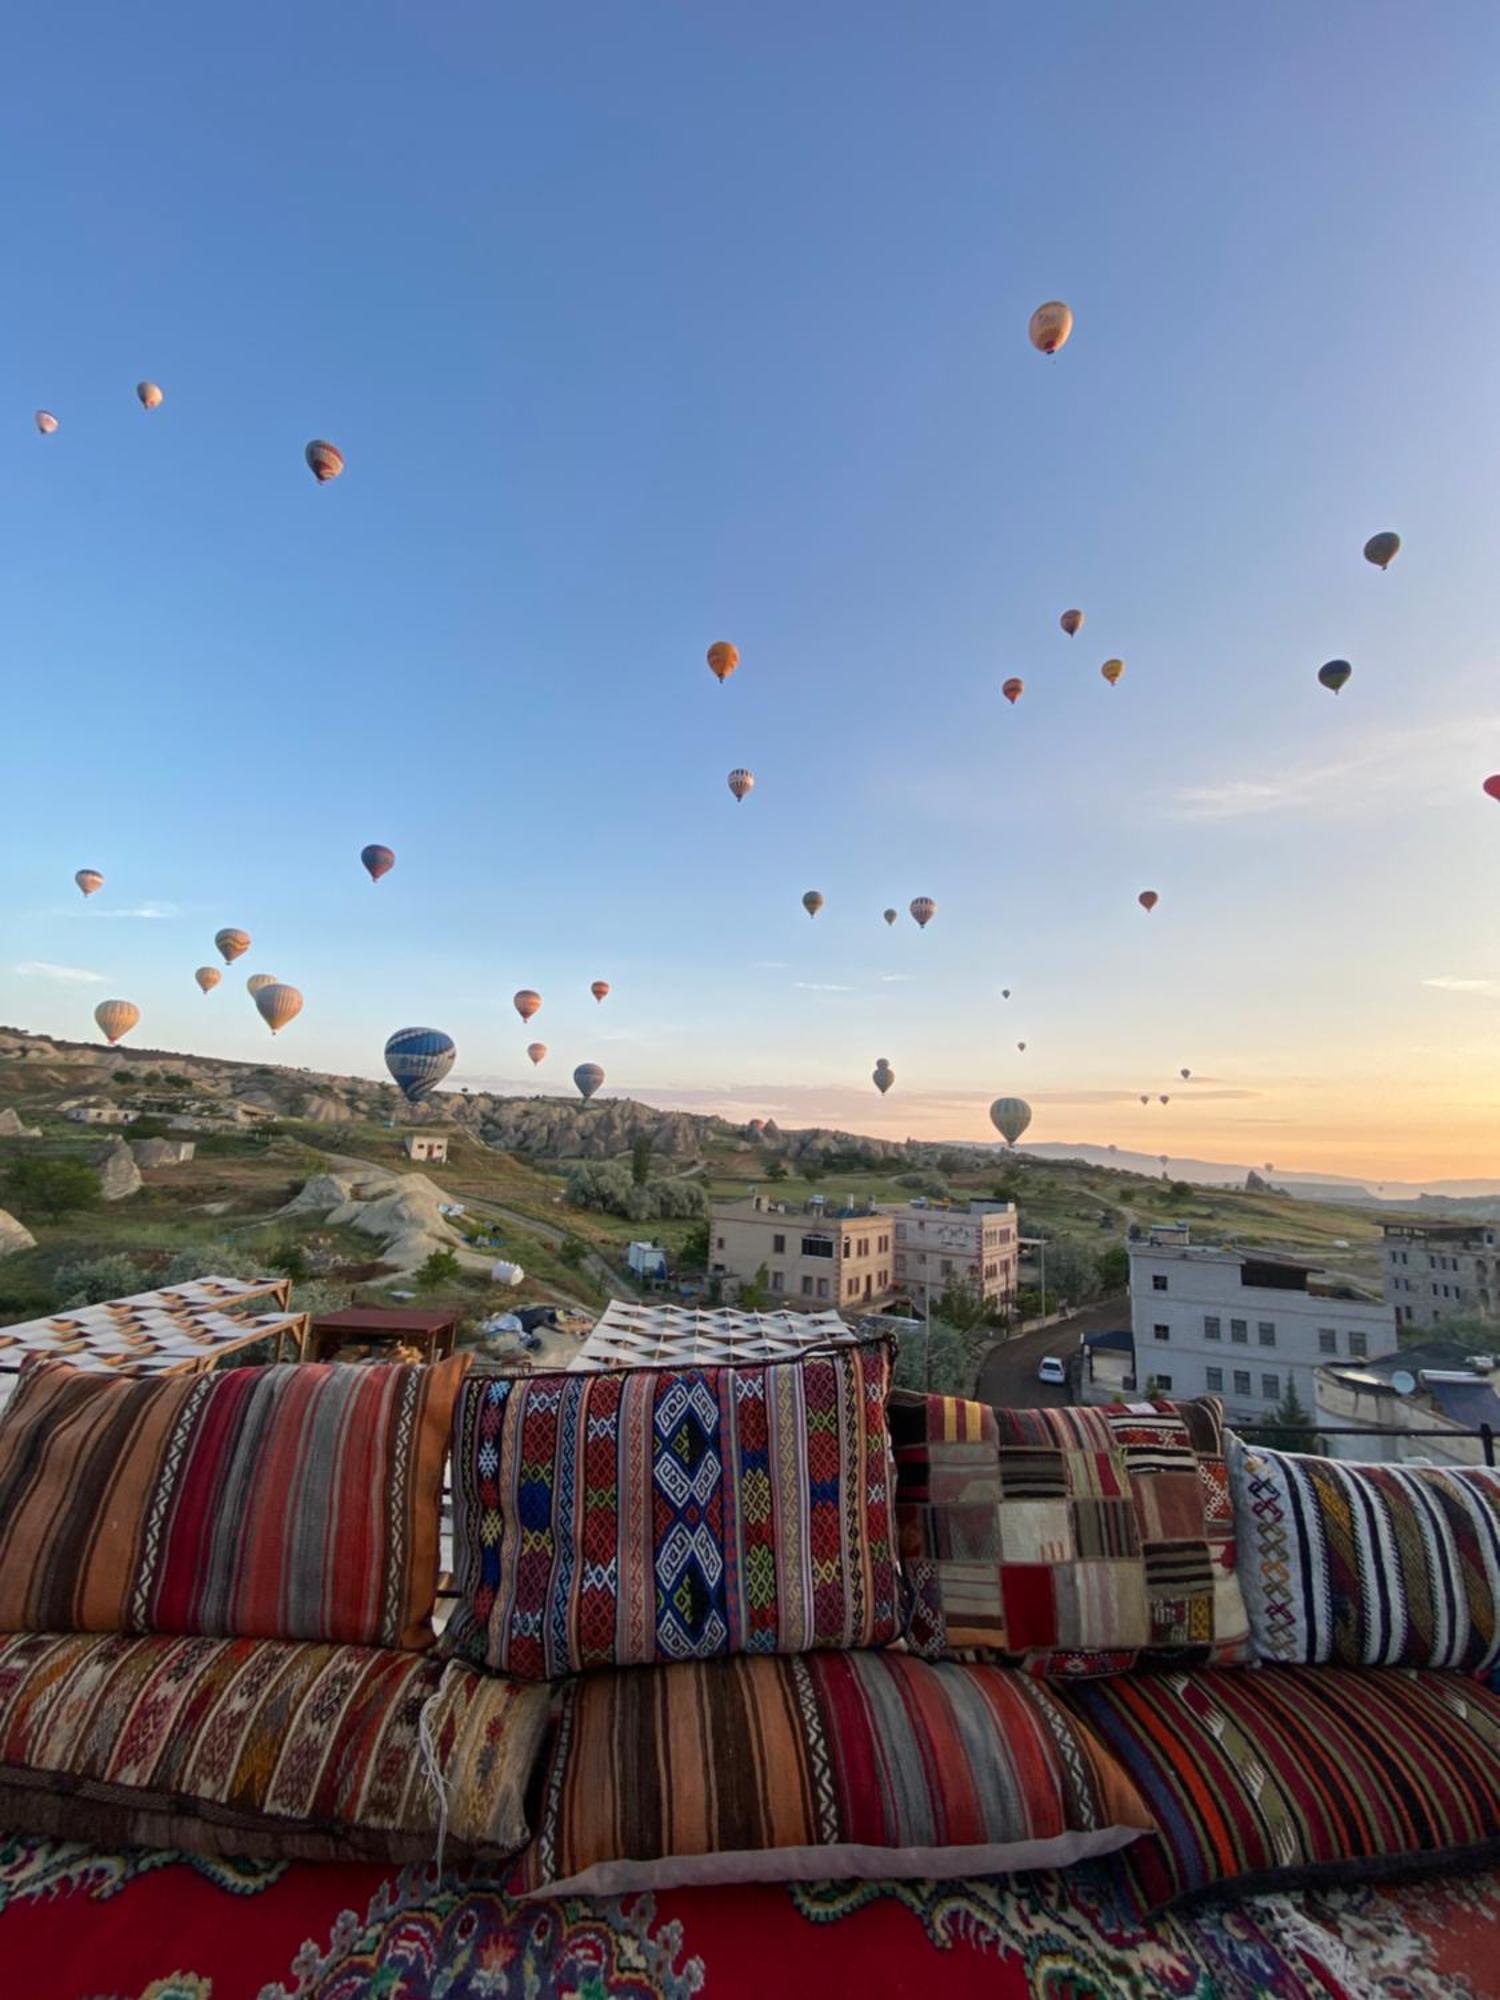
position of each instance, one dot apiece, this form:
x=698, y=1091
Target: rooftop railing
x=1485, y=1434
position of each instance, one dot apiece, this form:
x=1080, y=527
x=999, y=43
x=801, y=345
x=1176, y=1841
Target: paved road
x=1007, y=1377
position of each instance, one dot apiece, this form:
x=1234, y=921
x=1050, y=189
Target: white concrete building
x=100, y=1114
x=1434, y=1270
x=1243, y=1325
x=426, y=1146
x=942, y=1243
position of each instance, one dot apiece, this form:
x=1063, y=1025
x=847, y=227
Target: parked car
x=1052, y=1368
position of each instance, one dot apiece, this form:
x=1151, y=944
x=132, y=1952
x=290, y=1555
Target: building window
x=1159, y=1282
x=1160, y=1332
x=1239, y=1332
x=1359, y=1345
x=817, y=1246
x=1242, y=1381
x=806, y=1286
x=720, y=1244
x=778, y=1246
x=1328, y=1340
x=1270, y=1388
x=1212, y=1327
x=777, y=1281
x=822, y=1288
x=1163, y=1382
x=1213, y=1379
x=1266, y=1331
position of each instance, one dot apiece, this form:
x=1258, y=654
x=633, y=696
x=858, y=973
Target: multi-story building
x=1434, y=1270
x=1243, y=1326
x=816, y=1253
x=975, y=1243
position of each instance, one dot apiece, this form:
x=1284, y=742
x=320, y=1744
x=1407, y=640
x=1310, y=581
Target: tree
x=572, y=1251
x=776, y=1171
x=962, y=1304
x=693, y=1256
x=440, y=1268
x=755, y=1295
x=640, y=1160
x=812, y=1172
x=1112, y=1269
x=1294, y=1429
x=52, y=1188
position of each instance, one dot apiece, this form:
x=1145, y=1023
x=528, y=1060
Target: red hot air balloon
x=1148, y=900
x=325, y=461
x=600, y=989
x=1492, y=786
x=378, y=860
x=527, y=1003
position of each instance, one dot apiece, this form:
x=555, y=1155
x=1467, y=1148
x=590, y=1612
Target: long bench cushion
x=676, y=1513
x=1075, y=1542
x=831, y=1764
x=1369, y=1565
x=262, y=1747
x=1289, y=1774
x=297, y=1502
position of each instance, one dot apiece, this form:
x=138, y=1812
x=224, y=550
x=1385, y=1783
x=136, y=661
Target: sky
x=641, y=328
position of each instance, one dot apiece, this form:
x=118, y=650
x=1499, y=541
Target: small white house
x=100, y=1114
x=428, y=1146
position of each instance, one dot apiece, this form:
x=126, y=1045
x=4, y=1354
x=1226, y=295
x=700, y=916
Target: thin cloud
x=70, y=975
x=152, y=911
x=1378, y=766
x=1446, y=983
x=769, y=965
x=819, y=986
x=896, y=978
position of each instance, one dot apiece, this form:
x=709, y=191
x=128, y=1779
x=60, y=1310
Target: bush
x=609, y=1187
x=923, y=1181
x=440, y=1268
x=1112, y=1268
x=149, y=1128
x=572, y=1251
x=693, y=1256
x=88, y=1281
x=776, y=1171
x=52, y=1188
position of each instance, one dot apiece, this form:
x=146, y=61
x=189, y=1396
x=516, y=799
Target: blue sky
x=644, y=328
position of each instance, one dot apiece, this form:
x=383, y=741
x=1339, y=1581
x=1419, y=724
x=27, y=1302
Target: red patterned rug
x=75, y=1925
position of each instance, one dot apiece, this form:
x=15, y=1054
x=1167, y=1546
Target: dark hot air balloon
x=1022, y=1047
x=812, y=902
x=378, y=860
x=600, y=989
x=116, y=1018
x=1383, y=549
x=1072, y=623
x=1050, y=327
x=890, y=915
x=1185, y=1074
x=1148, y=900
x=419, y=1059
x=1010, y=1116
x=882, y=1076
x=1013, y=689
x=1004, y=992
x=588, y=1077
x=1335, y=675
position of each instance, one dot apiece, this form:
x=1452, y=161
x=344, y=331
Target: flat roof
x=385, y=1319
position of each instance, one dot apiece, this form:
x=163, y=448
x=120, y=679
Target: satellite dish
x=1404, y=1382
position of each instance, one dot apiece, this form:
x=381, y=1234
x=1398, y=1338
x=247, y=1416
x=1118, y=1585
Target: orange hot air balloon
x=278, y=1005
x=325, y=461
x=1072, y=623
x=600, y=989
x=1050, y=326
x=526, y=1003
x=536, y=1050
x=46, y=423
x=1148, y=900
x=88, y=880
x=812, y=902
x=923, y=910
x=232, y=944
x=722, y=660
x=1112, y=670
x=208, y=977
x=1013, y=689
x=116, y=1018
x=1383, y=549
x=741, y=782
x=149, y=394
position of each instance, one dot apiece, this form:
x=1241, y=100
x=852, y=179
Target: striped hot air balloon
x=1010, y=1116
x=588, y=1077
x=116, y=1018
x=600, y=989
x=89, y=880
x=325, y=461
x=526, y=1003
x=208, y=977
x=257, y=983
x=419, y=1059
x=149, y=394
x=741, y=782
x=923, y=910
x=277, y=1005
x=232, y=944
x=378, y=860
x=537, y=1051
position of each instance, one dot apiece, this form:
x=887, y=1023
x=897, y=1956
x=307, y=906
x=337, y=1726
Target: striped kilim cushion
x=1074, y=1541
x=860, y=1764
x=1369, y=1565
x=670, y=1514
x=1283, y=1775
x=261, y=1746
x=295, y=1502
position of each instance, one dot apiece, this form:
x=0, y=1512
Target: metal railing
x=1316, y=1432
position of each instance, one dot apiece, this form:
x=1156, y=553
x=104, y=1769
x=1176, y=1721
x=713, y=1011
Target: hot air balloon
x=46, y=423
x=116, y=1018
x=278, y=1004
x=1492, y=786
x=536, y=1050
x=1004, y=992
x=1145, y=1099
x=232, y=944
x=722, y=660
x=1148, y=900
x=1010, y=1116
x=741, y=782
x=1022, y=1047
x=1335, y=675
x=526, y=1003
x=882, y=1076
x=1072, y=623
x=88, y=880
x=1165, y=1099
x=208, y=977
x=1383, y=549
x=1112, y=670
x=1185, y=1074
x=325, y=460
x=1162, y=1161
x=1013, y=689
x=257, y=983
x=1270, y=1169
x=812, y=902
x=419, y=1059
x=600, y=989
x=890, y=915
x=923, y=911
x=378, y=860
x=588, y=1077
x=1050, y=326
x=149, y=394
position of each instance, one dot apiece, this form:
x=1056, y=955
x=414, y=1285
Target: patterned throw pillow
x=1074, y=1541
x=670, y=1514
x=261, y=1746
x=830, y=1764
x=1369, y=1565
x=297, y=1502
x=1263, y=1779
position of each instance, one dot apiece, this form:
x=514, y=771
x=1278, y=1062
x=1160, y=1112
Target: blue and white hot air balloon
x=419, y=1059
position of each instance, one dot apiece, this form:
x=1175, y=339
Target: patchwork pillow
x=1075, y=1541
x=1369, y=1565
x=297, y=1502
x=669, y=1514
x=873, y=1765
x=262, y=1747
x=1258, y=1780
